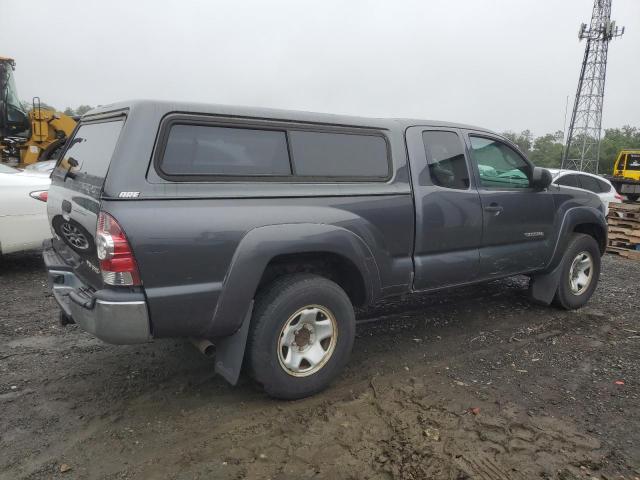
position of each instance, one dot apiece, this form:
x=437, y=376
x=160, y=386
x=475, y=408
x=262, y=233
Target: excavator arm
x=28, y=137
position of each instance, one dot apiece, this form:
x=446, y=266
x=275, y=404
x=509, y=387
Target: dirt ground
x=475, y=383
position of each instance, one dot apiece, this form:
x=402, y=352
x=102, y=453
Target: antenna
x=582, y=151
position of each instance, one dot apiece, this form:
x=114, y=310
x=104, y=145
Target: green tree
x=547, y=150
x=69, y=111
x=82, y=109
x=614, y=140
x=28, y=106
x=523, y=140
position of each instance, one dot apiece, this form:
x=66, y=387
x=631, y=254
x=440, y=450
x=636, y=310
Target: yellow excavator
x=28, y=136
x=626, y=174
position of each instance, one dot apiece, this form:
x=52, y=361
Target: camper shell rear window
x=88, y=153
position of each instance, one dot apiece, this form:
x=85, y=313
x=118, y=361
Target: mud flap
x=230, y=351
x=543, y=286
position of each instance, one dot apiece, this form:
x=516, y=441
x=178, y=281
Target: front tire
x=580, y=272
x=301, y=335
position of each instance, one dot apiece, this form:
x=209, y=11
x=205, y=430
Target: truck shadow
x=22, y=262
x=427, y=326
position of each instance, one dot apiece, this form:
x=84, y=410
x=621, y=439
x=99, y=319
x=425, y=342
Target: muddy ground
x=476, y=383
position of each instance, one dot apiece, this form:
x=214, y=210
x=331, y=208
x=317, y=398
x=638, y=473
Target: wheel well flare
x=594, y=231
x=335, y=267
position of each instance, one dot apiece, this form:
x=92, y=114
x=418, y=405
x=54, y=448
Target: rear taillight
x=619, y=197
x=41, y=195
x=114, y=252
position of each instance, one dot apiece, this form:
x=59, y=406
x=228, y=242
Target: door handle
x=494, y=208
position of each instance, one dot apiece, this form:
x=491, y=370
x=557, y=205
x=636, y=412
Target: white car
x=46, y=166
x=23, y=209
x=587, y=181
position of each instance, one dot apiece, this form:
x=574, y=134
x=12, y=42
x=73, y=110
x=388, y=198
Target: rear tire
x=580, y=272
x=312, y=311
x=633, y=197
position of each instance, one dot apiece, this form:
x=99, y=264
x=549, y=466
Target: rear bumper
x=112, y=316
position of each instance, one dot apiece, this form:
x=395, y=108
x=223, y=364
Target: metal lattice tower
x=582, y=150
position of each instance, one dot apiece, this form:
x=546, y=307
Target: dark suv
x=261, y=230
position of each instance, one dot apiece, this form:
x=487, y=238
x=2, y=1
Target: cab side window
x=633, y=161
x=500, y=166
x=445, y=157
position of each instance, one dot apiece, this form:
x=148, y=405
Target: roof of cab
x=273, y=114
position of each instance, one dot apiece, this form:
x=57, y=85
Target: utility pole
x=582, y=150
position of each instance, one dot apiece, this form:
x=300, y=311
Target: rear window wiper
x=73, y=163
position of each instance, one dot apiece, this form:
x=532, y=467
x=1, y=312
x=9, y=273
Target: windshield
x=13, y=118
x=11, y=95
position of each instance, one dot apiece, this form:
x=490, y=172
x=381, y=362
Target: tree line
x=79, y=111
x=547, y=150
x=72, y=112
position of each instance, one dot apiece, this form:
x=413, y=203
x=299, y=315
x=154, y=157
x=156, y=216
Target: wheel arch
x=593, y=230
x=582, y=219
x=265, y=252
x=334, y=266
x=586, y=220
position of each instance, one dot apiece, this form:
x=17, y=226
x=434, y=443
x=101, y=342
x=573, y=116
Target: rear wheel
x=633, y=197
x=301, y=335
x=580, y=272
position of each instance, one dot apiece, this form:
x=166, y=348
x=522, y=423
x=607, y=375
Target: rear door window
x=446, y=160
x=570, y=180
x=212, y=150
x=604, y=186
x=590, y=183
x=331, y=155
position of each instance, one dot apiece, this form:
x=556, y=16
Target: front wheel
x=580, y=272
x=301, y=336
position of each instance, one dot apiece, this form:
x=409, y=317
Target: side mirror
x=541, y=178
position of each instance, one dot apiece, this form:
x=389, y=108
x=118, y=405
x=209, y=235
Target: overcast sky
x=501, y=64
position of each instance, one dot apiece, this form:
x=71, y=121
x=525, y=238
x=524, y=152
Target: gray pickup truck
x=259, y=230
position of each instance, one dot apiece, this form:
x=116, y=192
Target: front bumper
x=112, y=316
